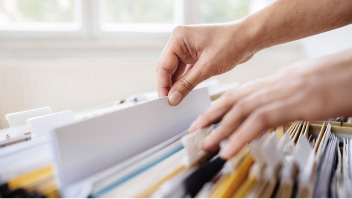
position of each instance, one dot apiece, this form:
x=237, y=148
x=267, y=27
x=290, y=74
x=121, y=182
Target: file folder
x=87, y=147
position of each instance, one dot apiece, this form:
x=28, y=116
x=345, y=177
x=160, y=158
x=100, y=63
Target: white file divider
x=20, y=118
x=42, y=125
x=87, y=147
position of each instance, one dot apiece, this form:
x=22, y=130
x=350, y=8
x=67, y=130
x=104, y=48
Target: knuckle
x=291, y=73
x=240, y=108
x=261, y=118
x=178, y=31
x=307, y=74
x=241, y=138
x=312, y=102
x=228, y=94
x=312, y=88
x=241, y=104
x=228, y=98
x=205, y=74
x=186, y=84
x=220, y=133
x=265, y=95
x=203, y=119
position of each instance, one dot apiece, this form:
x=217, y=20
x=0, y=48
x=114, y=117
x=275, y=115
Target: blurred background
x=77, y=54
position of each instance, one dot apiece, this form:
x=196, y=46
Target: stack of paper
x=146, y=151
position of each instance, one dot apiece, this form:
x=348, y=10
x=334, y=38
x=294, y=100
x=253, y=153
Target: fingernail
x=223, y=143
x=175, y=98
x=192, y=127
x=224, y=153
x=209, y=145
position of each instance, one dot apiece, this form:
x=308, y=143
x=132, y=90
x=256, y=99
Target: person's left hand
x=310, y=90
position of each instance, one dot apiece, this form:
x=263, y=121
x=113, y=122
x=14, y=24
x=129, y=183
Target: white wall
x=329, y=42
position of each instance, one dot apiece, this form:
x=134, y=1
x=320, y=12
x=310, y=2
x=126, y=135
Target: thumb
x=185, y=84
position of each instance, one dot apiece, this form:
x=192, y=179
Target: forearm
x=288, y=20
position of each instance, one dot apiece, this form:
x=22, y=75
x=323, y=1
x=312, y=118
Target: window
x=137, y=11
x=101, y=19
x=215, y=11
x=142, y=15
x=39, y=14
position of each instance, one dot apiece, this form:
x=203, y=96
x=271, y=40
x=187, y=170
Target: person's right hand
x=309, y=90
x=195, y=53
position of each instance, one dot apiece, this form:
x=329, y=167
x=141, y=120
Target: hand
x=311, y=90
x=195, y=53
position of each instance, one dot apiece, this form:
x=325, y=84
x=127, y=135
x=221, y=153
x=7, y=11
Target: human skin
x=196, y=53
x=309, y=90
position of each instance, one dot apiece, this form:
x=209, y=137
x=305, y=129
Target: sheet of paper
x=303, y=157
x=42, y=125
x=324, y=171
x=147, y=178
x=287, y=175
x=346, y=155
x=336, y=186
x=138, y=168
x=109, y=176
x=90, y=146
x=193, y=145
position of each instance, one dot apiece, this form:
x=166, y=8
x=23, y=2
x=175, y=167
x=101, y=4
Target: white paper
x=304, y=157
x=272, y=155
x=191, y=142
x=20, y=118
x=88, y=147
x=43, y=125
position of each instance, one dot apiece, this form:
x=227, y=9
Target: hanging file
x=87, y=147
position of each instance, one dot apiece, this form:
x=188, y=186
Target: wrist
x=247, y=36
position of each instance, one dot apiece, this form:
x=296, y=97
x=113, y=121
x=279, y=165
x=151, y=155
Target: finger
x=241, y=110
x=186, y=83
x=225, y=102
x=228, y=124
x=180, y=71
x=164, y=70
x=270, y=115
x=216, y=111
x=175, y=54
